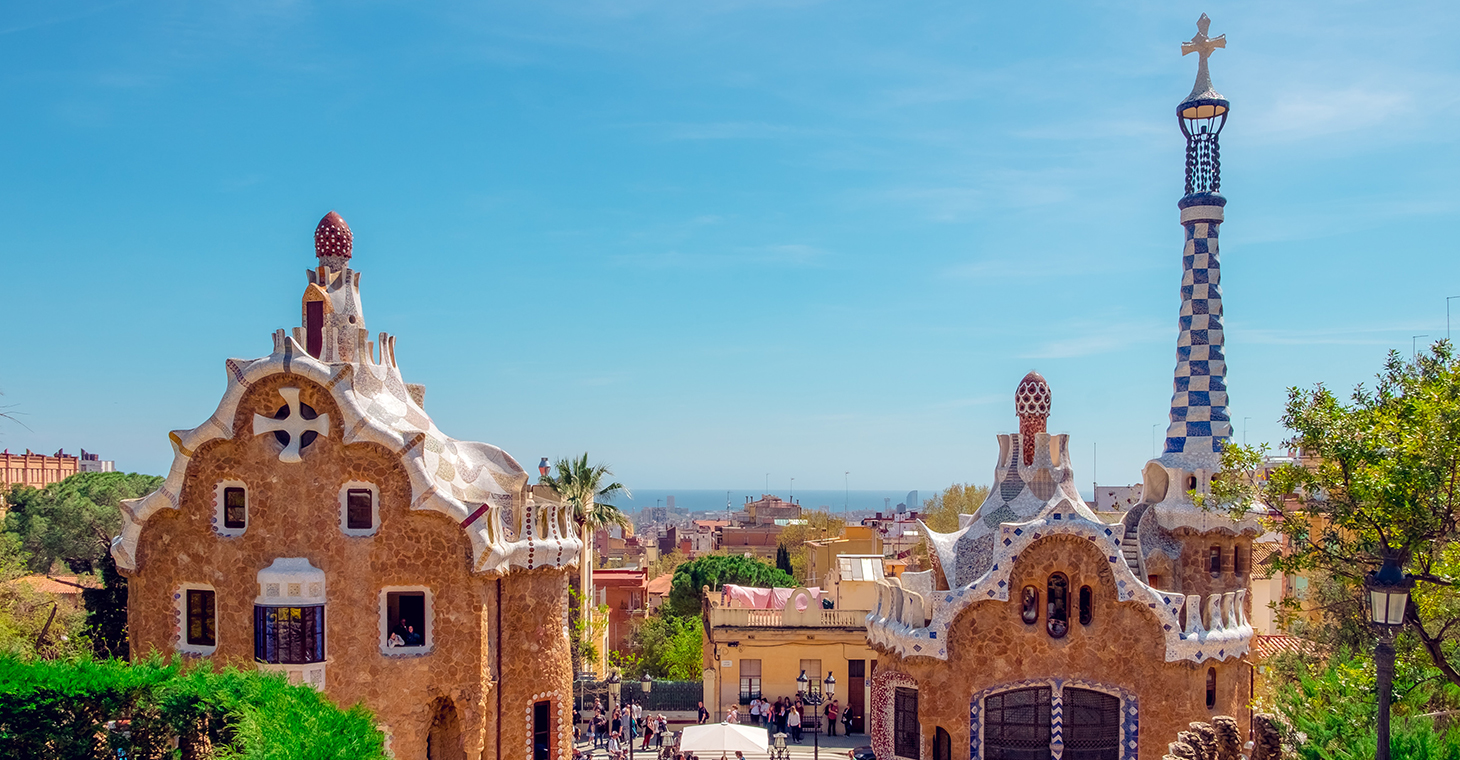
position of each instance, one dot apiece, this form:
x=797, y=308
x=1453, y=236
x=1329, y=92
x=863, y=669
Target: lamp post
x=803, y=689
x=646, y=683
x=1388, y=596
x=615, y=690
x=778, y=747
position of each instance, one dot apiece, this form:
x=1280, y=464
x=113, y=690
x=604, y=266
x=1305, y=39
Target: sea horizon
x=710, y=499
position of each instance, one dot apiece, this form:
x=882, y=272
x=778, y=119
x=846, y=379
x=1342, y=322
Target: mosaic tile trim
x=1199, y=420
x=448, y=476
x=897, y=623
x=1129, y=715
x=564, y=719
x=884, y=685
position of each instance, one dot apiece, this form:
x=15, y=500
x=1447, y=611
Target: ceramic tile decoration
x=1034, y=594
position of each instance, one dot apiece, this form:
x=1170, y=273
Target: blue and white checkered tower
x=1200, y=425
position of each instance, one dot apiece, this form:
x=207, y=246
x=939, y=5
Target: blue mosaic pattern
x=1129, y=716
x=1199, y=421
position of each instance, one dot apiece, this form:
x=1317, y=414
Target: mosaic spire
x=1200, y=425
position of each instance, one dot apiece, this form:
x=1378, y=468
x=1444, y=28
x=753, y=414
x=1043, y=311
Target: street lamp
x=646, y=683
x=803, y=685
x=1388, y=596
x=615, y=689
x=778, y=748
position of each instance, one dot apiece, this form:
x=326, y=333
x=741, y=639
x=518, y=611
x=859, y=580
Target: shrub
x=110, y=708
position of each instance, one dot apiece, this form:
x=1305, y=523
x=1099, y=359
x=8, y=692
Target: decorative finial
x=1203, y=46
x=333, y=240
x=1031, y=403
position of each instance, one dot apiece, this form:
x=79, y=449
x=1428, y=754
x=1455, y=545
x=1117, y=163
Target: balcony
x=735, y=617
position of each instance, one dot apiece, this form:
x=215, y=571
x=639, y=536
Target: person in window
x=395, y=640
x=831, y=712
x=413, y=639
x=793, y=720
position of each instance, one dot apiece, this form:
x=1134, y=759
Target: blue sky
x=706, y=241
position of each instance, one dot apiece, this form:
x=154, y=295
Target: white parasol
x=724, y=738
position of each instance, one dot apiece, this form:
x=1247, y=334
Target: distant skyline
x=704, y=242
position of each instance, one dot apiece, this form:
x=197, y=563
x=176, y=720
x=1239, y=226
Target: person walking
x=831, y=712
x=613, y=746
x=793, y=719
x=704, y=714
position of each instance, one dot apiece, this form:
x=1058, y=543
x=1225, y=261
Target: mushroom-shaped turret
x=1031, y=403
x=333, y=241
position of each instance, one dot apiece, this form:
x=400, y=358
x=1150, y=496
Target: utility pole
x=1447, y=315
x=847, y=489
x=1414, y=345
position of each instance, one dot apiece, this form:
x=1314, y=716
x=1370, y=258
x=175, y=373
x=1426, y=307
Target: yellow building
x=760, y=652
x=821, y=555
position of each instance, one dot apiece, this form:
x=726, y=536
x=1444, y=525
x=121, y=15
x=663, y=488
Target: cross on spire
x=1203, y=46
x=294, y=424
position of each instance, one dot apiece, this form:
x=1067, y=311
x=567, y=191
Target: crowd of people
x=787, y=716
x=614, y=731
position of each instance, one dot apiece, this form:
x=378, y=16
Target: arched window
x=1215, y=560
x=1057, y=608
x=1087, y=605
x=1016, y=723
x=1092, y=725
x=314, y=327
x=1191, y=482
x=1211, y=687
x=1237, y=560
x=1031, y=605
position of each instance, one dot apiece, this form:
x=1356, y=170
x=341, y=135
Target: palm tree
x=583, y=489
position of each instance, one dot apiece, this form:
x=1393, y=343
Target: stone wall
x=294, y=512
x=1122, y=650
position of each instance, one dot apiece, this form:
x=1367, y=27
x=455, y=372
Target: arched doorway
x=942, y=745
x=443, y=740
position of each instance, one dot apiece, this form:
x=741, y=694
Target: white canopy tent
x=724, y=738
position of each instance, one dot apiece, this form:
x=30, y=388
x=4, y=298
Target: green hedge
x=146, y=710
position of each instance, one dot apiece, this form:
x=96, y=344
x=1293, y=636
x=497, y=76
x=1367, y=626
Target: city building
x=320, y=524
x=89, y=462
x=1041, y=628
x=900, y=531
x=822, y=554
x=36, y=470
x=768, y=509
x=759, y=652
x=625, y=592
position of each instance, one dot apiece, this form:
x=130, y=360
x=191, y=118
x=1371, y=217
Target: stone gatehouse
x=319, y=523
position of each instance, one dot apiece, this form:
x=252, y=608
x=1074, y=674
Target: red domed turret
x=333, y=239
x=1031, y=403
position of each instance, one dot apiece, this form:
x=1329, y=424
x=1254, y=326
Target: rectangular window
x=359, y=509
x=406, y=617
x=289, y=635
x=1216, y=560
x=905, y=729
x=202, y=618
x=235, y=508
x=749, y=681
x=812, y=669
x=314, y=327
x=542, y=730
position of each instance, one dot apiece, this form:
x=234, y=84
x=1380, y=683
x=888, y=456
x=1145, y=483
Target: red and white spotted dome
x=1032, y=398
x=333, y=237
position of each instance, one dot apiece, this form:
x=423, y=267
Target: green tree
x=33, y=623
x=665, y=646
x=783, y=559
x=716, y=570
x=585, y=490
x=1378, y=476
x=666, y=564
x=72, y=522
x=819, y=524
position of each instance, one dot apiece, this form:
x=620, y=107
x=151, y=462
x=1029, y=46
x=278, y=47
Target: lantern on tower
x=1202, y=115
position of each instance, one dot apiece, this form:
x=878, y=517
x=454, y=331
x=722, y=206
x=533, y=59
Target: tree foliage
x=32, y=623
x=584, y=489
x=666, y=646
x=666, y=564
x=72, y=522
x=714, y=571
x=56, y=710
x=818, y=524
x=1378, y=476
